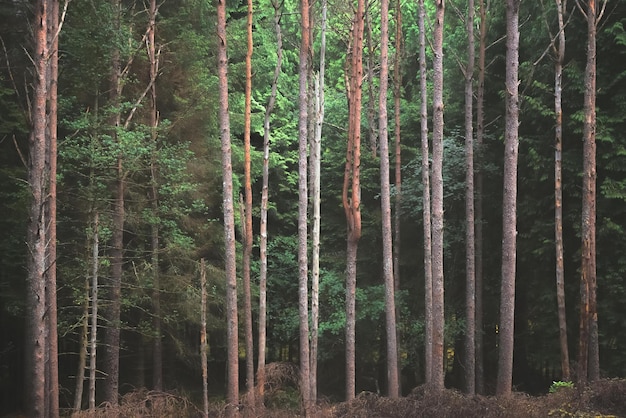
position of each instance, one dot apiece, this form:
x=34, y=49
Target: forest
x=222, y=206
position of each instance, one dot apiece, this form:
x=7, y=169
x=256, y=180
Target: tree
x=390, y=306
x=247, y=220
x=38, y=175
x=470, y=250
x=264, y=207
x=509, y=203
x=232, y=396
x=351, y=195
x=588, y=354
x=426, y=215
x=437, y=202
x=303, y=280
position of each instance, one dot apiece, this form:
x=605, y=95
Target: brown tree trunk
x=247, y=236
x=437, y=208
x=36, y=232
x=93, y=335
x=303, y=120
x=558, y=189
x=509, y=204
x=52, y=360
x=232, y=396
x=371, y=102
x=351, y=196
x=480, y=130
x=426, y=215
x=470, y=249
x=204, y=348
x=385, y=198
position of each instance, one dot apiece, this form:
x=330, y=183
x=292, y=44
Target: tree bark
x=93, y=339
x=303, y=120
x=203, y=341
x=437, y=209
x=470, y=249
x=232, y=396
x=36, y=344
x=509, y=204
x=385, y=198
x=426, y=212
x=351, y=196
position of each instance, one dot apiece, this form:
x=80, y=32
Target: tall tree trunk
x=316, y=153
x=351, y=196
x=397, y=96
x=36, y=344
x=264, y=206
x=480, y=131
x=93, y=333
x=561, y=7
x=390, y=304
x=371, y=102
x=437, y=210
x=509, y=204
x=232, y=388
x=52, y=362
x=82, y=353
x=112, y=335
x=426, y=212
x=157, y=347
x=588, y=356
x=247, y=246
x=204, y=347
x=303, y=120
x=470, y=254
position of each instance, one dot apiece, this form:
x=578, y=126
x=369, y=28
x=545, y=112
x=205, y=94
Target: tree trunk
x=93, y=340
x=588, y=357
x=426, y=215
x=371, y=102
x=558, y=189
x=437, y=210
x=36, y=344
x=385, y=198
x=264, y=207
x=52, y=362
x=316, y=152
x=84, y=345
x=470, y=254
x=247, y=222
x=397, y=96
x=203, y=341
x=480, y=130
x=352, y=188
x=112, y=335
x=509, y=204
x=232, y=396
x=303, y=120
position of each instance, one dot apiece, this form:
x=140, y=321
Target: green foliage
x=559, y=385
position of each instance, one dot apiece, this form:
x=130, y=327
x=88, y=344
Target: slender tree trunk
x=36, y=344
x=303, y=120
x=204, y=348
x=82, y=354
x=247, y=247
x=480, y=130
x=509, y=204
x=52, y=363
x=351, y=196
x=390, y=304
x=397, y=96
x=264, y=206
x=229, y=218
x=112, y=335
x=437, y=210
x=588, y=357
x=371, y=102
x=93, y=339
x=561, y=6
x=316, y=152
x=470, y=249
x=426, y=214
x=157, y=348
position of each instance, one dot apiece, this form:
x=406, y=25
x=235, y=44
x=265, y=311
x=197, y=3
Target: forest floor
x=605, y=398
